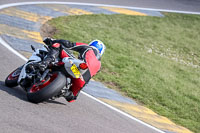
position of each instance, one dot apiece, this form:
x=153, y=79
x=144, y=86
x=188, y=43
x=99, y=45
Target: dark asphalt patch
x=21, y=44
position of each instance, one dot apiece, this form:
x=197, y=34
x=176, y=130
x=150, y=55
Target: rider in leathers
x=91, y=54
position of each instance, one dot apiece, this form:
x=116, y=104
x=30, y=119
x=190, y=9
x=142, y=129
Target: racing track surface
x=179, y=5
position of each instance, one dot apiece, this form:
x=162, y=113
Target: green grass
x=154, y=60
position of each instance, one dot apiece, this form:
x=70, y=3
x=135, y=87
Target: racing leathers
x=90, y=55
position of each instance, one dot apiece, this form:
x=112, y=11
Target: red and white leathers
x=90, y=55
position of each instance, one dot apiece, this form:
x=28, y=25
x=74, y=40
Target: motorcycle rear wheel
x=47, y=88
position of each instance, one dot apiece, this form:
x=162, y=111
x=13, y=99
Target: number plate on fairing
x=75, y=71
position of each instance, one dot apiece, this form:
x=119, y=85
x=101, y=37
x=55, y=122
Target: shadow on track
x=21, y=94
x=55, y=102
x=16, y=91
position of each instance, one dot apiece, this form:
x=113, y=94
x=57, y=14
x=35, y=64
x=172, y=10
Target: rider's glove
x=43, y=65
x=48, y=41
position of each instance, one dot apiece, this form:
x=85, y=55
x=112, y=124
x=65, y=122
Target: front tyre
x=47, y=88
x=11, y=80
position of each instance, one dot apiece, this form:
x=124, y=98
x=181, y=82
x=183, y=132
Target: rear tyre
x=47, y=89
x=11, y=80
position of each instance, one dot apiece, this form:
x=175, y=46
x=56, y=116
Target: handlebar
x=32, y=66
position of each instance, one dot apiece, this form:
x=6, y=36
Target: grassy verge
x=151, y=59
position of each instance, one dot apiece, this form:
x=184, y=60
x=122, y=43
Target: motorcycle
x=51, y=83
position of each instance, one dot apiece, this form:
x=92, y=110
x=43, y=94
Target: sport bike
x=51, y=83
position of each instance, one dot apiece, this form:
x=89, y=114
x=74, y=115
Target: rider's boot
x=69, y=96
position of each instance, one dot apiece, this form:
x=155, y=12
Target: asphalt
x=179, y=5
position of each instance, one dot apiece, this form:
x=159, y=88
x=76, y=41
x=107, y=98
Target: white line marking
x=11, y=49
x=107, y=105
x=91, y=4
x=123, y=113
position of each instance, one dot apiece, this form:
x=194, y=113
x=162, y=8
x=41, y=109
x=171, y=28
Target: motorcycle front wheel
x=11, y=80
x=46, y=89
